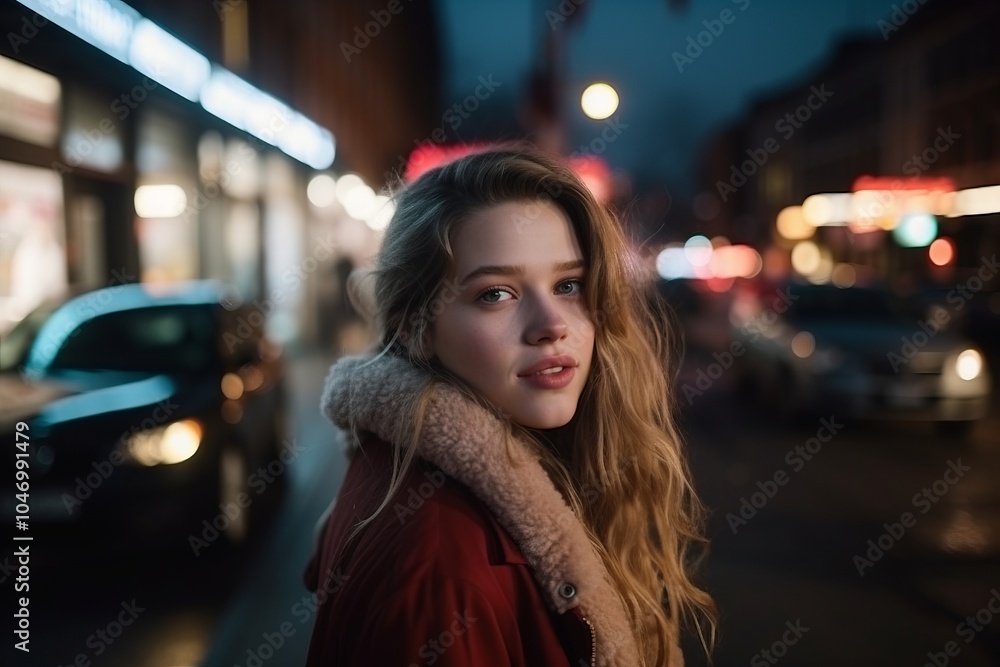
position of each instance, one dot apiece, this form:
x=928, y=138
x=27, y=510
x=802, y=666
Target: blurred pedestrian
x=517, y=492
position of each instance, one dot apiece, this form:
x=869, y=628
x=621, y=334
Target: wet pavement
x=876, y=544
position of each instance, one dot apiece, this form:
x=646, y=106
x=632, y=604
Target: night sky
x=767, y=45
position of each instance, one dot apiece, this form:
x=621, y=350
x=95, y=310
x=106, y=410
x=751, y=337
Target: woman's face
x=515, y=303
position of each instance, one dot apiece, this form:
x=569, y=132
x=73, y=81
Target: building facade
x=109, y=174
x=918, y=102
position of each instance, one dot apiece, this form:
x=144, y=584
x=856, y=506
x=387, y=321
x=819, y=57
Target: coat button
x=567, y=591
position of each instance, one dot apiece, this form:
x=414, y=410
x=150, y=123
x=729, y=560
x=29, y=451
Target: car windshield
x=824, y=302
x=17, y=341
x=168, y=339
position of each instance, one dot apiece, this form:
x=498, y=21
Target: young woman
x=517, y=493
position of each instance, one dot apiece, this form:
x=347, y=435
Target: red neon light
x=891, y=183
x=592, y=170
x=430, y=156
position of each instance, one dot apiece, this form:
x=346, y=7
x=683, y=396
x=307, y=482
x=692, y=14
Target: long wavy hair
x=619, y=462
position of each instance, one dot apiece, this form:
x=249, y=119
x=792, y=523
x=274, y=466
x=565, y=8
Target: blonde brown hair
x=619, y=462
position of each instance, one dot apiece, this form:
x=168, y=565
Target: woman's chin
x=544, y=420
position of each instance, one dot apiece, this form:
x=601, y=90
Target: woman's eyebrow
x=517, y=270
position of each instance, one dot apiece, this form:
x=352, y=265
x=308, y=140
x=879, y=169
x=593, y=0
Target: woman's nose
x=545, y=322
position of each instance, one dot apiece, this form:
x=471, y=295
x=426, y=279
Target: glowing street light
x=599, y=101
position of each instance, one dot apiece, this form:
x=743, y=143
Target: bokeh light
x=160, y=201
x=941, y=252
x=915, y=230
x=803, y=344
x=792, y=225
x=969, y=365
x=844, y=275
x=322, y=190
x=599, y=101
x=806, y=257
x=698, y=250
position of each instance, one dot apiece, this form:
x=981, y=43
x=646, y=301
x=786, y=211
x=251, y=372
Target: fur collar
x=380, y=395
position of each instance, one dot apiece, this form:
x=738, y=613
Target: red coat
x=435, y=580
x=478, y=531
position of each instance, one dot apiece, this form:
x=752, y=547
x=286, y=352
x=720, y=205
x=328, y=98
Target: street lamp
x=599, y=101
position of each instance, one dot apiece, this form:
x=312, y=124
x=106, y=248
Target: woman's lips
x=550, y=380
x=555, y=361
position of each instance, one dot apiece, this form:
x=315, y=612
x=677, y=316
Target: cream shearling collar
x=379, y=394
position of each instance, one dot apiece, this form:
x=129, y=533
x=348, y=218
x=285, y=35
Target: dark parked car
x=861, y=352
x=146, y=410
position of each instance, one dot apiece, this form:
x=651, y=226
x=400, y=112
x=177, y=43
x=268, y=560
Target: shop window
x=94, y=132
x=29, y=103
x=33, y=252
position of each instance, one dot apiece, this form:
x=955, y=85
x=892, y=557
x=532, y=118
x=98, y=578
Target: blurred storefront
x=32, y=229
x=135, y=152
x=104, y=176
x=890, y=145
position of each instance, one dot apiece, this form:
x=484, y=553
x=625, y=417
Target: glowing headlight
x=803, y=344
x=969, y=365
x=170, y=444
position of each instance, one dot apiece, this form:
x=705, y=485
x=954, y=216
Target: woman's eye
x=494, y=295
x=571, y=283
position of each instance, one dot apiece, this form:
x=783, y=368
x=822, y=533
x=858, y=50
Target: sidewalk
x=273, y=599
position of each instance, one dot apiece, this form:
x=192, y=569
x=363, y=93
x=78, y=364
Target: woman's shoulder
x=433, y=526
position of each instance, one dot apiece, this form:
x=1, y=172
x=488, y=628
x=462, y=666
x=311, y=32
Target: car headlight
x=165, y=445
x=969, y=364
